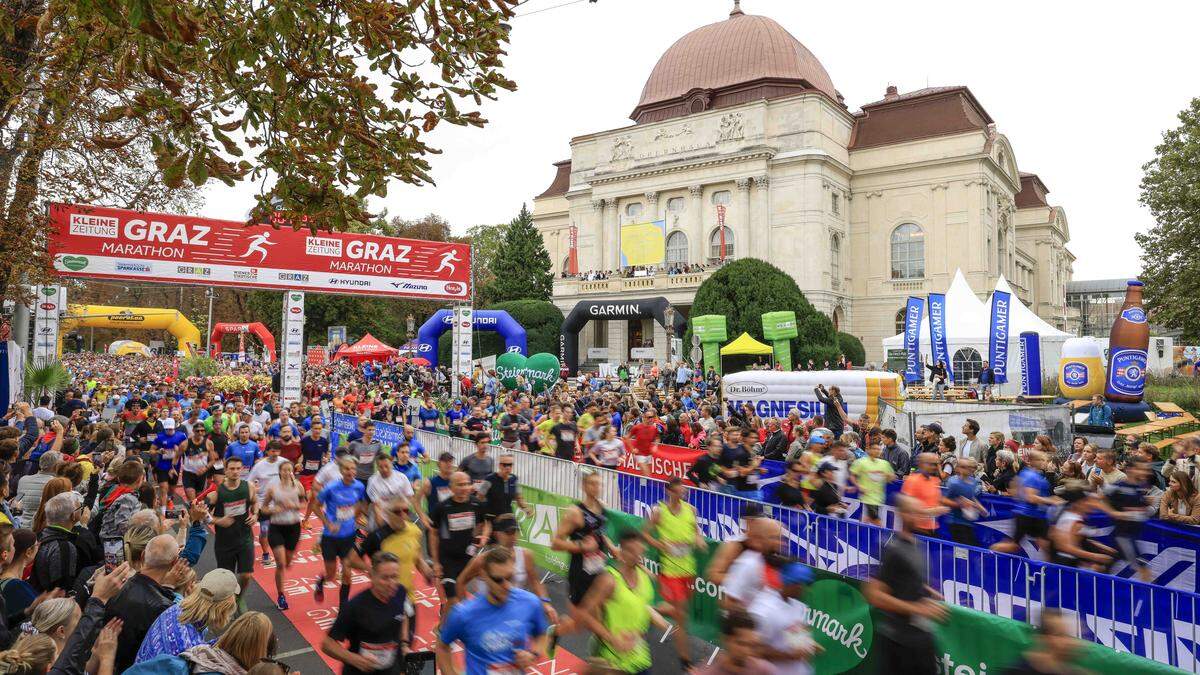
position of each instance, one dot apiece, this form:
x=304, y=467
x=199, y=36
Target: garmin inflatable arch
x=496, y=320
x=134, y=318
x=585, y=311
x=775, y=394
x=222, y=329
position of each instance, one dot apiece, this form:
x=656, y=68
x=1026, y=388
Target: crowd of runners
x=133, y=469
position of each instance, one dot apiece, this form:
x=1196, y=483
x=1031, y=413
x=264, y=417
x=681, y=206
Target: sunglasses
x=501, y=581
x=506, y=464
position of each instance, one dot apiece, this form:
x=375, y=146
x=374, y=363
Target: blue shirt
x=167, y=445
x=168, y=636
x=248, y=452
x=429, y=418
x=489, y=633
x=616, y=421
x=411, y=471
x=340, y=501
x=1031, y=478
x=273, y=432
x=456, y=416
x=415, y=447
x=957, y=487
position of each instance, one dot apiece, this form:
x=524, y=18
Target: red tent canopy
x=366, y=349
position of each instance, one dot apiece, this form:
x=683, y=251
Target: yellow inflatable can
x=1081, y=368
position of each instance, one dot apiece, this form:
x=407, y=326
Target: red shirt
x=290, y=451
x=644, y=435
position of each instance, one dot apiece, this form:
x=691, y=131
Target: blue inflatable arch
x=483, y=319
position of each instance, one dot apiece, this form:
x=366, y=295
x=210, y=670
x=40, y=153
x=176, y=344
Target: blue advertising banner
x=937, y=333
x=998, y=336
x=913, y=370
x=1151, y=621
x=1031, y=364
x=391, y=435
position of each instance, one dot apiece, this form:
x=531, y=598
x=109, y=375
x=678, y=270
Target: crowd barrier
x=1123, y=615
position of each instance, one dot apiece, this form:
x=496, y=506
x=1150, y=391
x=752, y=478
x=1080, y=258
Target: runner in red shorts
x=645, y=439
x=314, y=453
x=672, y=529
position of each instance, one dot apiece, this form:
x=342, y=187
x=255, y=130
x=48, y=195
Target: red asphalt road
x=313, y=620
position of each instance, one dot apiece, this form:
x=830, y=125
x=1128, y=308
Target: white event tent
x=968, y=322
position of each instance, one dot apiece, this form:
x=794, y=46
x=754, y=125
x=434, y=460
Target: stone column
x=695, y=232
x=612, y=235
x=596, y=259
x=762, y=218
x=742, y=236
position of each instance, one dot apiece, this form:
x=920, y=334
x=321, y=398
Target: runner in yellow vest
x=618, y=610
x=672, y=530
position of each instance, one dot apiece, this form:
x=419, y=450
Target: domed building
x=741, y=145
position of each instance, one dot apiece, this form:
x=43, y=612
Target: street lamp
x=669, y=317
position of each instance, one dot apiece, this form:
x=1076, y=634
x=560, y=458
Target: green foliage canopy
x=744, y=290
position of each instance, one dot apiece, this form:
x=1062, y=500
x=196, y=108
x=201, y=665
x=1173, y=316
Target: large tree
x=521, y=267
x=746, y=289
x=323, y=102
x=1171, y=190
x=485, y=241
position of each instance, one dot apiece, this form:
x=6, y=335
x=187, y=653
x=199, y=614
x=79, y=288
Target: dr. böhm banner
x=103, y=243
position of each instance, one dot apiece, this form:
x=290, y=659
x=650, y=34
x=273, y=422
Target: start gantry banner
x=94, y=242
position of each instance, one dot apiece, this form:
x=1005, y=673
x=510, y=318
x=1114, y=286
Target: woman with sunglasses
x=505, y=533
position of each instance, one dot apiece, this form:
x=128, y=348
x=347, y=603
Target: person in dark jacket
x=149, y=593
x=776, y=445
x=898, y=455
x=73, y=658
x=835, y=409
x=59, y=558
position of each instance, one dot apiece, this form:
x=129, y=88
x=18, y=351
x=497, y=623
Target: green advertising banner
x=780, y=328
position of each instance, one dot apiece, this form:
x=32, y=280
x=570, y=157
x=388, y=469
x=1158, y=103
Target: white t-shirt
x=43, y=413
x=328, y=474
x=381, y=490
x=265, y=472
x=609, y=452
x=744, y=579
x=783, y=623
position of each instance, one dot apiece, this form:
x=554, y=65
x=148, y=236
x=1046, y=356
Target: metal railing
x=1154, y=622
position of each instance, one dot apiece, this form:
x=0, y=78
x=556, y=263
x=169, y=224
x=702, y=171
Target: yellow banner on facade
x=643, y=243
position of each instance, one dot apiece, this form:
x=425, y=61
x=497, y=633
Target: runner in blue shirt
x=243, y=448
x=456, y=416
x=963, y=489
x=1030, y=511
x=429, y=415
x=341, y=504
x=165, y=449
x=502, y=630
x=405, y=465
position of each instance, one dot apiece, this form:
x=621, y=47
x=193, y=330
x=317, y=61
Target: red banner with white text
x=668, y=461
x=94, y=242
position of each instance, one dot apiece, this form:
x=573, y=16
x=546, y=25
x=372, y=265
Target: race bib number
x=237, y=508
x=365, y=459
x=218, y=466
x=383, y=654
x=593, y=563
x=970, y=514
x=311, y=464
x=568, y=436
x=168, y=454
x=444, y=493
x=876, y=476
x=457, y=522
x=678, y=550
x=503, y=669
x=345, y=513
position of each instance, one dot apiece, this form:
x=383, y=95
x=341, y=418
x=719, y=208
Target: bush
x=198, y=365
x=746, y=289
x=542, y=322
x=853, y=348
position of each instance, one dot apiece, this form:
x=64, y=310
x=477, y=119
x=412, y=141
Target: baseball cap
x=168, y=423
x=936, y=428
x=219, y=585
x=795, y=573
x=505, y=523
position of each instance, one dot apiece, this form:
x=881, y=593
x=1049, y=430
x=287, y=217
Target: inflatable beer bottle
x=1127, y=345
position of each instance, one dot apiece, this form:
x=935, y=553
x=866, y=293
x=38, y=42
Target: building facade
x=742, y=146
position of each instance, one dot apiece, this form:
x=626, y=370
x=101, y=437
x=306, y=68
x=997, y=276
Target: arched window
x=633, y=209
x=900, y=313
x=908, y=252
x=835, y=259
x=837, y=318
x=720, y=197
x=967, y=365
x=675, y=205
x=677, y=248
x=714, y=243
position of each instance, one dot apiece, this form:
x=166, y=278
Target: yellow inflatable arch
x=134, y=318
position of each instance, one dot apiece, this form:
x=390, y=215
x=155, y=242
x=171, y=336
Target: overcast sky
x=1082, y=92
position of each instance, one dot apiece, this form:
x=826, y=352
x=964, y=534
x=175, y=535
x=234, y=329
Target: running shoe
x=266, y=557
x=551, y=640
x=319, y=591
x=282, y=602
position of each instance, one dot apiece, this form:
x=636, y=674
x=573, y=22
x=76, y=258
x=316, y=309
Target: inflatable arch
x=484, y=319
x=134, y=318
x=220, y=330
x=585, y=311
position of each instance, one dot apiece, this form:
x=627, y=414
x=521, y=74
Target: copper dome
x=741, y=50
